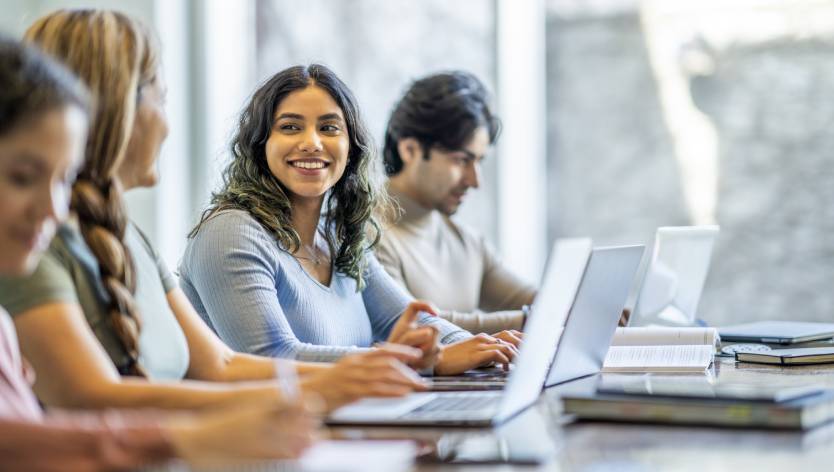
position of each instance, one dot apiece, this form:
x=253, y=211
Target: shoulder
x=67, y=251
x=51, y=281
x=230, y=233
x=134, y=233
x=375, y=269
x=230, y=219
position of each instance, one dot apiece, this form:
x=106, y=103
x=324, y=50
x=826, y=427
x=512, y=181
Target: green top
x=69, y=273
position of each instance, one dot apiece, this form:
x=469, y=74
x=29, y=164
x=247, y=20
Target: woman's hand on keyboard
x=511, y=336
x=380, y=373
x=479, y=350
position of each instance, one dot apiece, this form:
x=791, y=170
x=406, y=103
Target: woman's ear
x=410, y=150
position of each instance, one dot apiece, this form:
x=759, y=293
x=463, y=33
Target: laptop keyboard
x=457, y=405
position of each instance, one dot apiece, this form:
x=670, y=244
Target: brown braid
x=114, y=55
x=103, y=222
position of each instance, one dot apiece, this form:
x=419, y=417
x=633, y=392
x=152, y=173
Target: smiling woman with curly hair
x=280, y=263
x=351, y=200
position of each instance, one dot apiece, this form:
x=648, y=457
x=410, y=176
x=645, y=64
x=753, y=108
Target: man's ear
x=410, y=150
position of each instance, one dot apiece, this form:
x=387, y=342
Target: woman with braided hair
x=43, y=125
x=101, y=318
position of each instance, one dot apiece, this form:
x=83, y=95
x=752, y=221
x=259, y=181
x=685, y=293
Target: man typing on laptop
x=436, y=137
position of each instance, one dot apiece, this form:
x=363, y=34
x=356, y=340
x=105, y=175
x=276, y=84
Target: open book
x=661, y=349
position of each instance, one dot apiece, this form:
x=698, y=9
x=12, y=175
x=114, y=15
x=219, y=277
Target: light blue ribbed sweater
x=259, y=299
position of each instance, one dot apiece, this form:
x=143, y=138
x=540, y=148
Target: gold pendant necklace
x=313, y=256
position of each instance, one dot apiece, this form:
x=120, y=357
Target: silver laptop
x=675, y=276
x=593, y=318
x=595, y=313
x=564, y=274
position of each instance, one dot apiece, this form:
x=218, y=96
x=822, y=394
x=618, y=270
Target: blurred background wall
x=648, y=113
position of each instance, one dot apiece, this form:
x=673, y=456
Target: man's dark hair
x=441, y=110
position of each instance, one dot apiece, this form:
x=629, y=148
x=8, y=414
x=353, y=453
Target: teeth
x=309, y=165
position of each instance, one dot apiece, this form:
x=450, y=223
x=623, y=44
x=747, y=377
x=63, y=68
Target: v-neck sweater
x=259, y=299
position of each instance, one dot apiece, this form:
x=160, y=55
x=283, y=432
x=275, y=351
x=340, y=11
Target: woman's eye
x=330, y=128
x=290, y=127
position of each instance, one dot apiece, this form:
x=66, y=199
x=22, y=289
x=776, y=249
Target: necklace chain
x=314, y=256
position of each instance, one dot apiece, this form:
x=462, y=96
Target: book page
x=680, y=358
x=657, y=336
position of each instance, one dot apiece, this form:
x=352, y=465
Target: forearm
x=92, y=444
x=183, y=395
x=449, y=333
x=239, y=367
x=503, y=291
x=308, y=353
x=234, y=366
x=500, y=288
x=480, y=322
x=244, y=367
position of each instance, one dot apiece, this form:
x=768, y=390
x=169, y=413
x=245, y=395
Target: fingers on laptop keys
x=389, y=377
x=511, y=336
x=493, y=349
x=378, y=373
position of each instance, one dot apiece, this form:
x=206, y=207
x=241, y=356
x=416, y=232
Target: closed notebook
x=800, y=413
x=799, y=356
x=701, y=387
x=777, y=332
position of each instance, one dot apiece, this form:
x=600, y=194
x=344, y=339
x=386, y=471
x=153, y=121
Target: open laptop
x=564, y=274
x=595, y=313
x=592, y=321
x=675, y=276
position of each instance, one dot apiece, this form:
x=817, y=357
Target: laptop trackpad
x=381, y=408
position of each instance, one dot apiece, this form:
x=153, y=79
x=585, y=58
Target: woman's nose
x=310, y=142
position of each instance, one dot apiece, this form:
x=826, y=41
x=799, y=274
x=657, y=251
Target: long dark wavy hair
x=351, y=206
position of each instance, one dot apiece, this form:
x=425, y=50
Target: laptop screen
x=596, y=310
x=550, y=309
x=675, y=276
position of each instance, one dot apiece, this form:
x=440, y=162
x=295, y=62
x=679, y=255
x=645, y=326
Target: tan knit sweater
x=442, y=262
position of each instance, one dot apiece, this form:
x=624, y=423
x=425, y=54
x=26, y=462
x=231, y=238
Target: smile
x=310, y=164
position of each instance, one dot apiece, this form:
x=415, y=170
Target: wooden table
x=543, y=431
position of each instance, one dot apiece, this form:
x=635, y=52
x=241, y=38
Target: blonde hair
x=114, y=56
